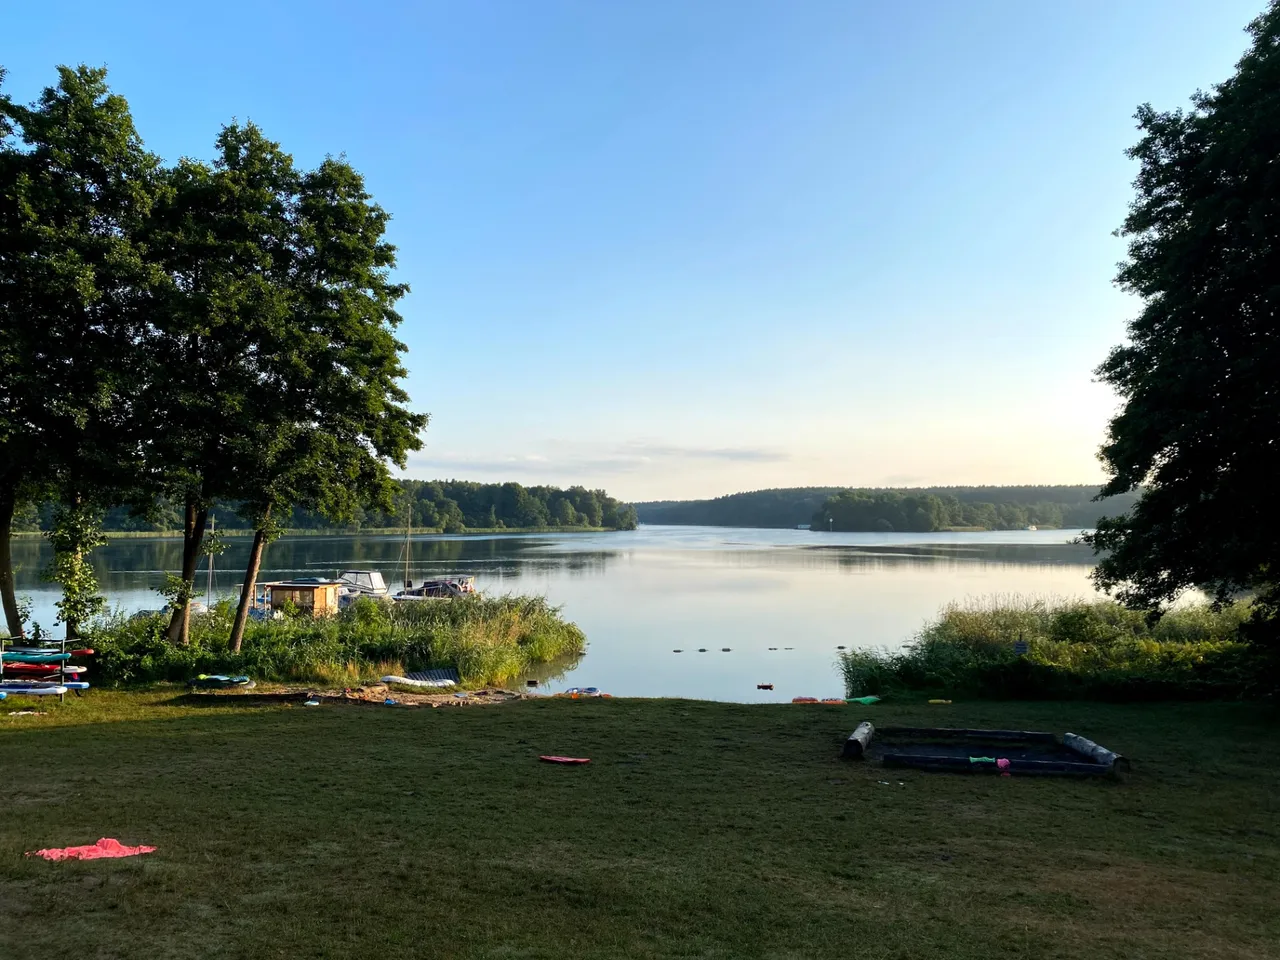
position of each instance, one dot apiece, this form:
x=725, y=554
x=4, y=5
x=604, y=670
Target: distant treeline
x=450, y=505
x=923, y=509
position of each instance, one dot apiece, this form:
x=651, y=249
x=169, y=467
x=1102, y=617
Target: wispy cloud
x=629, y=457
x=659, y=451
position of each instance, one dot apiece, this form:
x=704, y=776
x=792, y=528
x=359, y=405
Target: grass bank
x=488, y=639
x=1073, y=649
x=698, y=830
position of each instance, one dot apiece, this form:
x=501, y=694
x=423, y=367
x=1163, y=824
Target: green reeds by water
x=489, y=640
x=1017, y=647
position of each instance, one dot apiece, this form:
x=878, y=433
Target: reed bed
x=1023, y=648
x=489, y=640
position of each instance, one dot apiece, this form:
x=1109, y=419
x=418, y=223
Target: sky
x=677, y=249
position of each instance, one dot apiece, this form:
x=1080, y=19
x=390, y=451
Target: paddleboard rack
x=962, y=750
x=56, y=680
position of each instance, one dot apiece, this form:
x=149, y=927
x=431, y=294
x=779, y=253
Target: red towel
x=106, y=847
x=565, y=759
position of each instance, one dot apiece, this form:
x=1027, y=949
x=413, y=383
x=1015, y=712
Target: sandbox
x=963, y=750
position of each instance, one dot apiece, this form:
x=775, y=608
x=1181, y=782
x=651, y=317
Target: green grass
x=698, y=830
x=488, y=639
x=1075, y=649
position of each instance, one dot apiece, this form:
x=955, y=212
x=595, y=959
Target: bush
x=488, y=640
x=1096, y=649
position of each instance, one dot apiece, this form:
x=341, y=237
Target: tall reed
x=1019, y=647
x=489, y=640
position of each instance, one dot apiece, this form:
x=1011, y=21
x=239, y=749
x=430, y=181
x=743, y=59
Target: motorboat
x=438, y=588
x=361, y=583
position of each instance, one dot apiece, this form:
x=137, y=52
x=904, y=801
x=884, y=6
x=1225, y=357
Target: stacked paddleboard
x=41, y=671
x=220, y=681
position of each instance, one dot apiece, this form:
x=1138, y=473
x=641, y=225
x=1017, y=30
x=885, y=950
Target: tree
x=563, y=513
x=330, y=406
x=73, y=292
x=1200, y=374
x=221, y=336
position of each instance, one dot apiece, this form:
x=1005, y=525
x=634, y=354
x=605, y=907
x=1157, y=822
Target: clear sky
x=682, y=248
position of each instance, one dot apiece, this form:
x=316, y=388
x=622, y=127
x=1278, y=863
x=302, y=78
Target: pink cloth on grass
x=1003, y=764
x=106, y=847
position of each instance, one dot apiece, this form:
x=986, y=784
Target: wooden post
x=855, y=747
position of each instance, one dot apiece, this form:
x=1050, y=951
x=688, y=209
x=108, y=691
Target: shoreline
x=345, y=532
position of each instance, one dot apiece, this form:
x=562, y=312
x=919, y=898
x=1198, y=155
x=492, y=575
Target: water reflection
x=641, y=594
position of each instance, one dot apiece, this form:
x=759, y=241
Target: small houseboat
x=310, y=595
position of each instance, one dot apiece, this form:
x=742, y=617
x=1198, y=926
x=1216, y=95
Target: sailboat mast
x=408, y=546
x=208, y=593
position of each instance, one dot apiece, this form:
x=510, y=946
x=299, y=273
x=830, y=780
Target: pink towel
x=1003, y=764
x=564, y=759
x=106, y=847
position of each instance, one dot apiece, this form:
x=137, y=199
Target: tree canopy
x=1199, y=377
x=988, y=508
x=185, y=335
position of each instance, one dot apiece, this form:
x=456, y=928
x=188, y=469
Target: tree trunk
x=7, y=594
x=250, y=587
x=192, y=537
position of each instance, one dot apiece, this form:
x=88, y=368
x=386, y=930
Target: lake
x=641, y=595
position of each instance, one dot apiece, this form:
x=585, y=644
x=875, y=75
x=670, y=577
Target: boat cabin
x=309, y=594
x=365, y=583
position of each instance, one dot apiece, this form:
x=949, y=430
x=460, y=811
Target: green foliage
x=1200, y=425
x=1077, y=649
x=488, y=640
x=75, y=183
x=456, y=505
x=76, y=531
x=988, y=508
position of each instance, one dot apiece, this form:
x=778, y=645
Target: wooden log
x=1114, y=763
x=855, y=748
x=940, y=733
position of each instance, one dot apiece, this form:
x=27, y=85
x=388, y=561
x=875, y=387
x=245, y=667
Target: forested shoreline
x=1072, y=506
x=446, y=506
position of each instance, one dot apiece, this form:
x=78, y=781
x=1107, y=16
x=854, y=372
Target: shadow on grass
x=248, y=700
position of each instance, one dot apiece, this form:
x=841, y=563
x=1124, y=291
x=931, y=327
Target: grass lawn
x=697, y=830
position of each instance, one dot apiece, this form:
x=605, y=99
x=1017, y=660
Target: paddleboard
x=43, y=668
x=391, y=678
x=28, y=684
x=86, y=652
x=34, y=657
x=220, y=681
x=33, y=691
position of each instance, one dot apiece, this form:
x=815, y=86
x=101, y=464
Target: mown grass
x=1074, y=649
x=698, y=830
x=488, y=639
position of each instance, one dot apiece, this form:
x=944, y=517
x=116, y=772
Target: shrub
x=1095, y=649
x=488, y=640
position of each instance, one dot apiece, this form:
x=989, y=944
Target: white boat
x=361, y=583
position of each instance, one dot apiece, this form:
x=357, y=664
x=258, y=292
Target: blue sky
x=686, y=248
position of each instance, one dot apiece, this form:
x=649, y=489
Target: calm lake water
x=642, y=595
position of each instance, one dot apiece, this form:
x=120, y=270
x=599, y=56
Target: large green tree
x=1199, y=377
x=221, y=328
x=332, y=409
x=75, y=183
